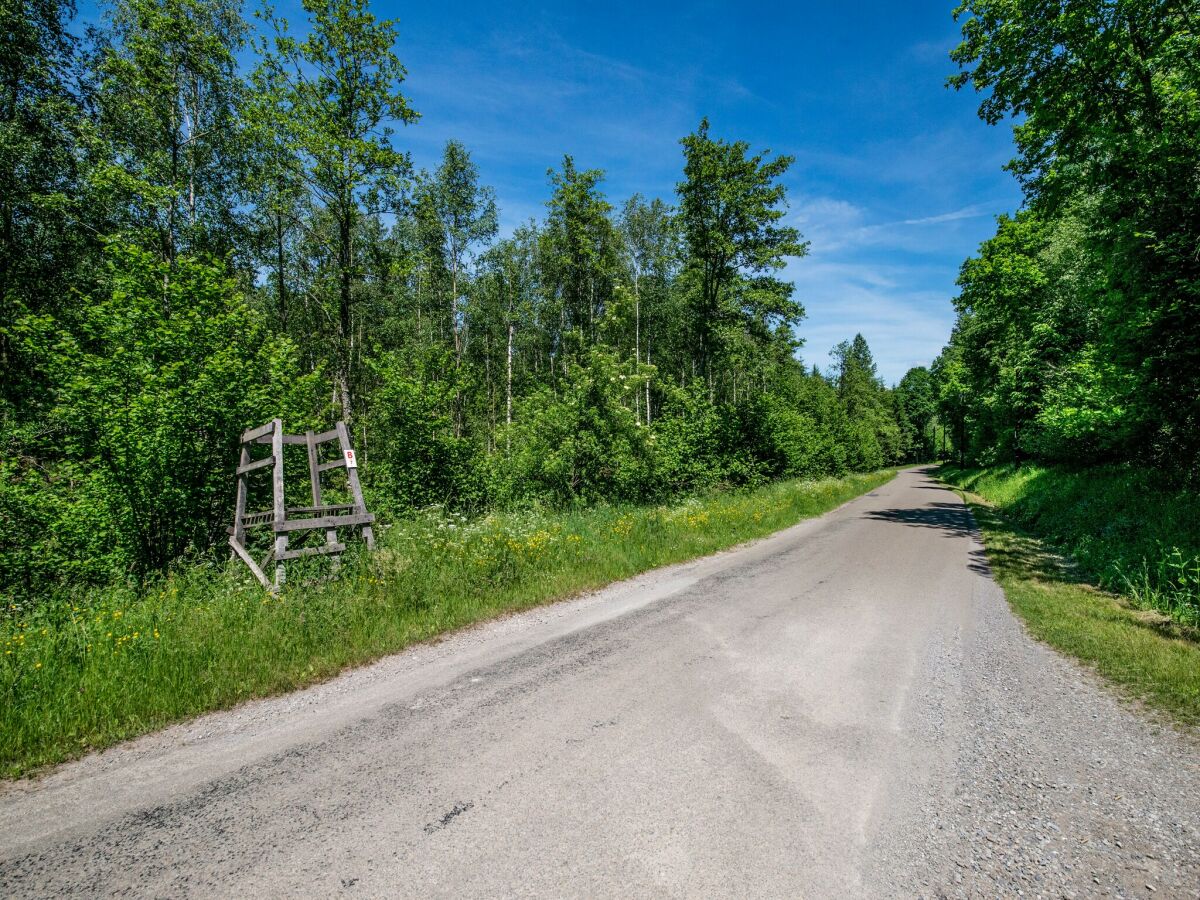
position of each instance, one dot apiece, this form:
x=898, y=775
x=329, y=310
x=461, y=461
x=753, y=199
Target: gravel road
x=845, y=709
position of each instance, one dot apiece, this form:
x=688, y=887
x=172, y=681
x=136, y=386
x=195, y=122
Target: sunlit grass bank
x=1146, y=653
x=86, y=671
x=1123, y=529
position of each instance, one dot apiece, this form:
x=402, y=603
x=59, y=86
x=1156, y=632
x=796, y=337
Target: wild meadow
x=99, y=665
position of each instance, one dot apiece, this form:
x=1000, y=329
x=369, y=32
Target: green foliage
x=414, y=458
x=917, y=401
x=164, y=145
x=786, y=438
x=580, y=442
x=698, y=444
x=335, y=95
x=156, y=380
x=56, y=527
x=730, y=205
x=579, y=249
x=40, y=207
x=875, y=435
x=1107, y=99
x=463, y=214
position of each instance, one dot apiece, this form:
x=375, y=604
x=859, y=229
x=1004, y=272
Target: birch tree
x=340, y=91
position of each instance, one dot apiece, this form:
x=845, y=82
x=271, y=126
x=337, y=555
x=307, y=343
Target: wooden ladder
x=285, y=520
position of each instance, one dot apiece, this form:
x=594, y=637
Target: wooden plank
x=326, y=436
x=315, y=551
x=239, y=508
x=314, y=474
x=257, y=464
x=255, y=433
x=280, y=510
x=297, y=439
x=249, y=561
x=329, y=509
x=254, y=519
x=324, y=522
x=332, y=464
x=355, y=486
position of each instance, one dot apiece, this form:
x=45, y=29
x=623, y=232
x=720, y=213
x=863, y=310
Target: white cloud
x=967, y=212
x=855, y=281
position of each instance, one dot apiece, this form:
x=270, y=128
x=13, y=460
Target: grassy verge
x=1121, y=527
x=94, y=669
x=1146, y=653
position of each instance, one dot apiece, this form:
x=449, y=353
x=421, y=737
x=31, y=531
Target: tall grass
x=85, y=670
x=1122, y=527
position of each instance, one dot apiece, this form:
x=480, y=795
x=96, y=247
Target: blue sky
x=896, y=180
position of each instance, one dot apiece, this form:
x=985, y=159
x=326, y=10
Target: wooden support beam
x=324, y=522
x=239, y=509
x=280, y=510
x=314, y=551
x=332, y=464
x=326, y=436
x=332, y=509
x=245, y=556
x=267, y=517
x=355, y=487
x=314, y=475
x=297, y=439
x=255, y=433
x=257, y=464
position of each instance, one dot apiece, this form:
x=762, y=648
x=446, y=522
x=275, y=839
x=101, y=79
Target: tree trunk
x=648, y=420
x=508, y=393
x=279, y=275
x=487, y=367
x=454, y=313
x=637, y=342
x=345, y=250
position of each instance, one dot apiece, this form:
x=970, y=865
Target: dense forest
x=1078, y=333
x=207, y=221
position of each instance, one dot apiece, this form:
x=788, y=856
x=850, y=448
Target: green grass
x=1121, y=527
x=1146, y=653
x=83, y=672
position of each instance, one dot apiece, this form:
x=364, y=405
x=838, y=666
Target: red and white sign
x=351, y=460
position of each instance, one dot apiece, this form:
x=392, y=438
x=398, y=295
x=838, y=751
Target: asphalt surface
x=845, y=709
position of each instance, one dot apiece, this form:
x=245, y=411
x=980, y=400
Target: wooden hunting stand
x=284, y=520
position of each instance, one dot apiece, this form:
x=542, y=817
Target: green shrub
x=414, y=457
x=157, y=375
x=699, y=445
x=580, y=442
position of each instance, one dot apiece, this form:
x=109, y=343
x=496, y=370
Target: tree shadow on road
x=951, y=517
